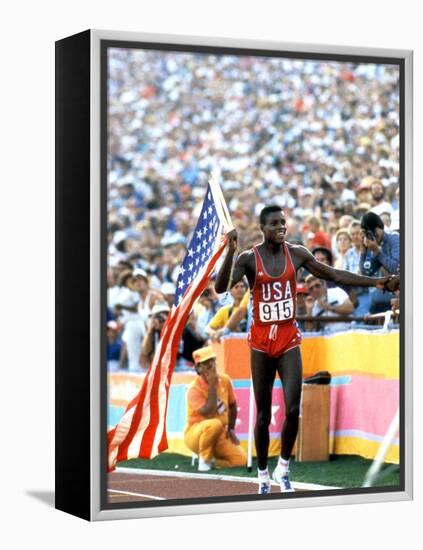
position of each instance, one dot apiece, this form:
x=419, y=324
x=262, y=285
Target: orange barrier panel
x=371, y=353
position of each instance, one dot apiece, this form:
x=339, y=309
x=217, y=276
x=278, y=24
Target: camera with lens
x=160, y=317
x=370, y=235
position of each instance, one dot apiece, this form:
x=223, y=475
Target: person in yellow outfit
x=224, y=320
x=211, y=416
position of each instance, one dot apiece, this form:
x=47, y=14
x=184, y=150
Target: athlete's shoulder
x=248, y=252
x=298, y=250
x=299, y=254
x=246, y=256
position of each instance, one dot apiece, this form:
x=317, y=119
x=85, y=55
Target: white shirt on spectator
x=335, y=297
x=125, y=297
x=383, y=207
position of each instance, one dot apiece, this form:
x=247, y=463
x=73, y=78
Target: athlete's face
x=274, y=228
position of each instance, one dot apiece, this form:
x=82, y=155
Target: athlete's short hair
x=268, y=210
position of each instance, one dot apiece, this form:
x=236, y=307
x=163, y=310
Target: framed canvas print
x=233, y=275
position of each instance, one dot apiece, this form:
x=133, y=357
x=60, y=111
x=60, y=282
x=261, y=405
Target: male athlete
x=274, y=337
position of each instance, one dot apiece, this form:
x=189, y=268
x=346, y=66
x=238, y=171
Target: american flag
x=141, y=432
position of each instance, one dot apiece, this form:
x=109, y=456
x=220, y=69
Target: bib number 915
x=276, y=311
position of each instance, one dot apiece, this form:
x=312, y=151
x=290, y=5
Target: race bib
x=276, y=311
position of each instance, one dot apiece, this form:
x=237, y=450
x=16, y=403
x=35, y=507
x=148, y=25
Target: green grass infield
x=340, y=471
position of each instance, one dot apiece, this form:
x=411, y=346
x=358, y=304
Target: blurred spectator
x=343, y=223
x=352, y=263
x=352, y=257
x=148, y=297
x=223, y=314
x=320, y=237
x=124, y=299
x=151, y=339
x=343, y=244
x=361, y=209
x=363, y=191
x=380, y=205
x=136, y=326
x=387, y=220
x=302, y=133
x=381, y=252
x=190, y=338
x=395, y=305
x=302, y=294
x=116, y=355
x=323, y=254
x=240, y=319
x=208, y=302
x=168, y=290
x=327, y=302
x=395, y=225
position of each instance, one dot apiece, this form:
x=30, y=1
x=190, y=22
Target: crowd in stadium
x=318, y=138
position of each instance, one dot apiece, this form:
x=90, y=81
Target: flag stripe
x=169, y=360
x=145, y=403
x=133, y=430
x=191, y=297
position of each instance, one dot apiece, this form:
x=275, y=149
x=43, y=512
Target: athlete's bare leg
x=289, y=368
x=263, y=372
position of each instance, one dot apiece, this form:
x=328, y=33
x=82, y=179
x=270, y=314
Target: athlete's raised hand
x=232, y=240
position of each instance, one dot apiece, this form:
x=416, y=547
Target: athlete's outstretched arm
x=340, y=276
x=224, y=276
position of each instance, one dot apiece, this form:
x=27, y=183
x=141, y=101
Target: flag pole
x=220, y=199
x=217, y=192
x=250, y=428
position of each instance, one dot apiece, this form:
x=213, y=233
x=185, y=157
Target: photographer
x=381, y=252
x=189, y=342
x=158, y=318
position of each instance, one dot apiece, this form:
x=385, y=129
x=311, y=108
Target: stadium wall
x=364, y=391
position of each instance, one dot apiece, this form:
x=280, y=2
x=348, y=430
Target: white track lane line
x=167, y=473
x=134, y=494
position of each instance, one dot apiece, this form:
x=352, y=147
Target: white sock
x=263, y=475
x=283, y=464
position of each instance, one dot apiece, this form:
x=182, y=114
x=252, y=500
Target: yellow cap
x=203, y=354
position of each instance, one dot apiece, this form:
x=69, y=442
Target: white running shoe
x=282, y=478
x=264, y=487
x=204, y=465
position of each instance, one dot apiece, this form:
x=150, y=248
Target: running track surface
x=126, y=487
